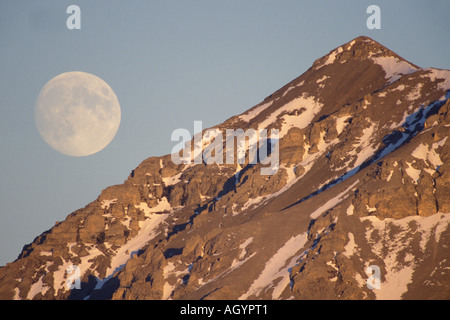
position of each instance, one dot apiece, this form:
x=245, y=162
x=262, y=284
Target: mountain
x=356, y=207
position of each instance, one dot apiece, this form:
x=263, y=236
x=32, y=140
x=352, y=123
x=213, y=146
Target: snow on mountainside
x=363, y=180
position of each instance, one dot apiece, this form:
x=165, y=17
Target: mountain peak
x=364, y=48
x=364, y=40
x=359, y=48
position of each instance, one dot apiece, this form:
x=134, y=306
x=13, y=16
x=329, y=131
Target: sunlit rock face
x=358, y=209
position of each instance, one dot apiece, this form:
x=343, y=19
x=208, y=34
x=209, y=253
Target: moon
x=77, y=113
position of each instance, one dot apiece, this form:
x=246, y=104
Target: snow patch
x=107, y=203
x=429, y=154
x=389, y=177
x=350, y=247
x=333, y=202
x=300, y=120
x=323, y=78
x=60, y=276
x=132, y=246
x=394, y=67
x=437, y=74
x=306, y=163
x=341, y=123
x=413, y=173
x=37, y=287
x=331, y=57
x=162, y=206
x=251, y=202
x=252, y=113
x=243, y=247
x=415, y=93
x=276, y=271
x=350, y=210
x=169, y=271
x=400, y=266
x=170, y=181
x=287, y=90
x=364, y=149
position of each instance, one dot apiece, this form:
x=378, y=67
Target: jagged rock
x=363, y=179
x=443, y=188
x=426, y=200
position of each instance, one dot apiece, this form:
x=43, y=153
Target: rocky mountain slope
x=363, y=180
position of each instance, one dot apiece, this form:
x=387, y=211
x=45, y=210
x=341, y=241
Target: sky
x=169, y=63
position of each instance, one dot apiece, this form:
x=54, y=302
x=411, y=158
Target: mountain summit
x=358, y=208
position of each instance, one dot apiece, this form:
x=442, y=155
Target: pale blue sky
x=169, y=63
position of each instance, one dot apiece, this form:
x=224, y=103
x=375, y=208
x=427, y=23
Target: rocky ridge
x=363, y=179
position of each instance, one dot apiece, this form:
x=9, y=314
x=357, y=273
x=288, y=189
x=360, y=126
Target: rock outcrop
x=362, y=182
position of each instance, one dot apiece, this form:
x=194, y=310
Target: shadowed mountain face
x=357, y=208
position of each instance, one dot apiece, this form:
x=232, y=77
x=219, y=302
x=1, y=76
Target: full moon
x=77, y=113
